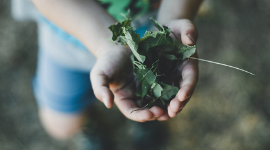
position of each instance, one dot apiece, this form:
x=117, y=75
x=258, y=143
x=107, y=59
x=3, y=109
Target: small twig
x=222, y=65
x=151, y=102
x=163, y=74
x=155, y=67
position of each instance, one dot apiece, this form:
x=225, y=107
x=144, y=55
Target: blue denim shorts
x=62, y=80
x=61, y=88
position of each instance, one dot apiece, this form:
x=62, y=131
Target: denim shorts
x=62, y=80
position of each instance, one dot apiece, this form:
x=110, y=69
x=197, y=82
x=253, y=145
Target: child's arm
x=84, y=19
x=112, y=75
x=178, y=15
x=178, y=9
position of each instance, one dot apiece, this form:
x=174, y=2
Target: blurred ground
x=229, y=109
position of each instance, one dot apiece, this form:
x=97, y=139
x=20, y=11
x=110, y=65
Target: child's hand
x=185, y=31
x=113, y=81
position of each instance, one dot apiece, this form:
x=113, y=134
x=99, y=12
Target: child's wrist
x=108, y=47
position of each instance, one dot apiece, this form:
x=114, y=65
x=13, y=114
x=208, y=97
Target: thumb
x=100, y=84
x=189, y=33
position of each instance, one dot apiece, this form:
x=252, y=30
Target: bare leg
x=61, y=125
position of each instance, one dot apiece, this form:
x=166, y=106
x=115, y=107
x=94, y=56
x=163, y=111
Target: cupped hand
x=185, y=31
x=112, y=80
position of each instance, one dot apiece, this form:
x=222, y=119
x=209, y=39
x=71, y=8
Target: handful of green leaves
x=155, y=57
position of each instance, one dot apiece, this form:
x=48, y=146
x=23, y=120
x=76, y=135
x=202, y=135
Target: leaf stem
x=139, y=64
x=151, y=102
x=222, y=65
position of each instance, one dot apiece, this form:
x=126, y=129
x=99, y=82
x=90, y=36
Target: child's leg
x=60, y=125
x=63, y=95
x=62, y=84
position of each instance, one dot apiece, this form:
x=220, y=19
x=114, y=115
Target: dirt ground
x=229, y=109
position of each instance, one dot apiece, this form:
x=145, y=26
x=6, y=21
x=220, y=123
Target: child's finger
x=184, y=30
x=127, y=107
x=157, y=111
x=100, y=84
x=164, y=117
x=188, y=33
x=174, y=107
x=190, y=78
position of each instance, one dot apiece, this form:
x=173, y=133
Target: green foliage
x=151, y=54
x=117, y=29
x=168, y=91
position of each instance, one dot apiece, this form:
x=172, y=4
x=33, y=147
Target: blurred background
x=229, y=109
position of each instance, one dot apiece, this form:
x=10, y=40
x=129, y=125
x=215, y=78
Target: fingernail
x=192, y=39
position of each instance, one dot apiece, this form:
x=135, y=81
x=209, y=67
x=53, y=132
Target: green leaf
x=138, y=65
x=169, y=91
x=169, y=57
x=187, y=51
x=127, y=35
x=146, y=78
x=117, y=29
x=138, y=92
x=132, y=39
x=164, y=29
x=156, y=39
x=145, y=74
x=157, y=25
x=157, y=89
x=143, y=89
x=150, y=34
x=153, y=39
x=150, y=77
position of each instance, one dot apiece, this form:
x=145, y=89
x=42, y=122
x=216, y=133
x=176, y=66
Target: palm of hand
x=113, y=81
